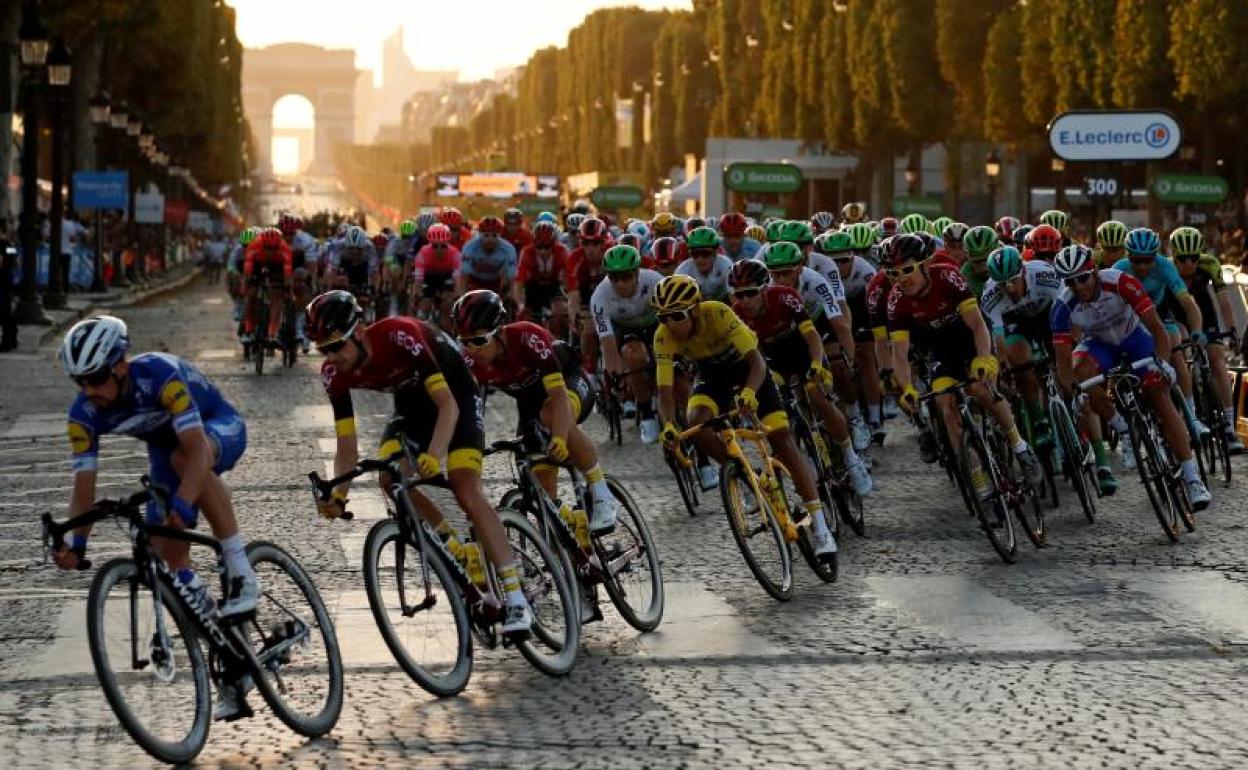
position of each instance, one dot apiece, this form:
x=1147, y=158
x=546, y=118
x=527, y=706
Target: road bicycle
x=836, y=491
x=1215, y=450
x=148, y=639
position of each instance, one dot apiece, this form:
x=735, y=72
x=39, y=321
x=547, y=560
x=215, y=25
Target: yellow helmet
x=854, y=212
x=675, y=293
x=663, y=223
x=757, y=233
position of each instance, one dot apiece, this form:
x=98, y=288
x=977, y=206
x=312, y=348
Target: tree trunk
x=87, y=61
x=10, y=15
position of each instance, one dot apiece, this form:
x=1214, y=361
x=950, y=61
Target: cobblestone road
x=1109, y=648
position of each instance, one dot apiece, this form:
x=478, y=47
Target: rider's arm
x=1065, y=365
x=448, y=414
x=901, y=356
x=969, y=310
x=1194, y=320
x=814, y=345
x=758, y=370
x=843, y=327
x=602, y=326
x=1157, y=328
x=664, y=374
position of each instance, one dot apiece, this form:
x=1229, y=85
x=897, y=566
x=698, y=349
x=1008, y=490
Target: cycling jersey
x=1162, y=279
x=271, y=258
x=748, y=250
x=1110, y=317
x=827, y=268
x=302, y=248
x=878, y=289
x=518, y=238
x=531, y=365
x=488, y=267
x=818, y=295
x=611, y=310
x=1042, y=287
x=783, y=314
x=548, y=267
x=1204, y=285
x=357, y=266
x=582, y=275
x=936, y=311
x=400, y=250
x=237, y=258
x=713, y=285
x=431, y=262
x=974, y=282
x=860, y=274
x=366, y=254
x=719, y=340
x=568, y=240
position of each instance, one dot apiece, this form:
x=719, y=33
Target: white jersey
x=610, y=309
x=827, y=268
x=860, y=275
x=1043, y=286
x=713, y=285
x=817, y=295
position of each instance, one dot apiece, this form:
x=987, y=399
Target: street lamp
x=992, y=170
x=118, y=119
x=912, y=177
x=60, y=69
x=100, y=108
x=34, y=52
x=1058, y=167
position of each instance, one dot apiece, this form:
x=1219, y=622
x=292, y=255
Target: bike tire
x=260, y=342
x=847, y=502
x=1148, y=458
x=322, y=711
x=827, y=568
x=513, y=500
x=1025, y=502
x=733, y=485
x=642, y=608
x=551, y=596
x=179, y=748
x=443, y=681
x=1082, y=477
x=825, y=484
x=684, y=484
x=1002, y=537
x=1217, y=447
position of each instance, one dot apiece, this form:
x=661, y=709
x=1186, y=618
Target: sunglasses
x=702, y=253
x=894, y=273
x=95, y=379
x=784, y=271
x=1081, y=278
x=674, y=317
x=1187, y=257
x=332, y=347
x=478, y=341
x=621, y=277
x=746, y=293
x=1137, y=259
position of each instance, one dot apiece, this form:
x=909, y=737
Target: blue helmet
x=1142, y=240
x=547, y=216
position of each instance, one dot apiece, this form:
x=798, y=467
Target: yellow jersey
x=719, y=339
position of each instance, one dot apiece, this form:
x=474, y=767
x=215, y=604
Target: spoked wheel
x=848, y=502
x=157, y=683
x=992, y=513
x=1078, y=458
x=1023, y=501
x=1048, y=462
x=825, y=479
x=826, y=568
x=293, y=639
x=757, y=533
x=685, y=481
x=419, y=610
x=551, y=647
x=1216, y=447
x=1151, y=463
x=290, y=348
x=630, y=565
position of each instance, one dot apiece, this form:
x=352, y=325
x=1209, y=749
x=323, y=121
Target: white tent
x=691, y=190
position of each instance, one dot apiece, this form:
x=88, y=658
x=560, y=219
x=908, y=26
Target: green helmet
x=980, y=241
x=861, y=235
x=913, y=223
x=938, y=225
x=783, y=254
x=621, y=259
x=837, y=242
x=1004, y=264
x=248, y=235
x=702, y=238
x=1056, y=219
x=407, y=228
x=773, y=230
x=1186, y=240
x=1111, y=234
x=797, y=231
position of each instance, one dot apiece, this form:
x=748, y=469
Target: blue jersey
x=163, y=397
x=1163, y=279
x=400, y=251
x=489, y=267
x=749, y=250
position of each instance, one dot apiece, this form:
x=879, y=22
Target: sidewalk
x=80, y=305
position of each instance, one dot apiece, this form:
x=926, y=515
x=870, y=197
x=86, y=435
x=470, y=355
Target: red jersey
x=583, y=276
x=257, y=255
x=783, y=312
x=937, y=310
x=942, y=257
x=460, y=235
x=542, y=268
x=528, y=358
x=520, y=237
x=435, y=262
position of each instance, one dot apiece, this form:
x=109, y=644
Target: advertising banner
x=1088, y=135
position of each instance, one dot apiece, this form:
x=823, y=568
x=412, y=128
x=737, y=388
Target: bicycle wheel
x=848, y=503
x=158, y=688
x=684, y=481
x=826, y=568
x=292, y=637
x=290, y=348
x=513, y=500
x=992, y=514
x=1150, y=463
x=552, y=646
x=757, y=532
x=1216, y=447
x=630, y=565
x=1022, y=500
x=426, y=628
x=260, y=343
x=1078, y=457
x=825, y=479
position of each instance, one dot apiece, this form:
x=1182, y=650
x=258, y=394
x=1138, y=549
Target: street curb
x=129, y=301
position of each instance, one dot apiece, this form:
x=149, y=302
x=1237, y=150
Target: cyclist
x=853, y=212
x=583, y=276
x=1059, y=221
x=234, y=271
x=487, y=261
x=267, y=263
x=756, y=233
x=887, y=228
x=1111, y=239
x=357, y=268
x=665, y=223
x=538, y=288
x=453, y=218
x=570, y=236
x=736, y=244
x=624, y=322
x=1117, y=322
x=787, y=337
x=433, y=272
x=668, y=254
x=193, y=435
x=437, y=405
x=514, y=231
x=980, y=242
x=398, y=259
x=705, y=264
x=822, y=221
x=952, y=237
x=730, y=370
x=913, y=223
x=1043, y=243
x=1202, y=272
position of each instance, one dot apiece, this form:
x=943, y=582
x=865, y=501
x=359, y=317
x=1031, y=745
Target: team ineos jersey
x=529, y=356
x=818, y=295
x=827, y=268
x=1110, y=317
x=163, y=397
x=937, y=312
x=1043, y=286
x=783, y=313
x=860, y=275
x=635, y=312
x=878, y=289
x=713, y=285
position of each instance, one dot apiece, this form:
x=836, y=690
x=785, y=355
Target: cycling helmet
x=1006, y=227
x=667, y=251
x=980, y=241
x=1142, y=240
x=783, y=254
x=913, y=223
x=621, y=259
x=477, y=311
x=772, y=229
x=888, y=227
x=756, y=232
x=955, y=232
x=407, y=228
x=664, y=223
x=331, y=317
x=94, y=345
x=356, y=238
x=545, y=234
x=937, y=226
x=547, y=216
x=381, y=241
x=929, y=243
x=1111, y=234
x=854, y=212
x=248, y=235
x=270, y=238
x=438, y=233
x=1073, y=260
x=341, y=229
x=1044, y=239
x=1020, y=235
x=693, y=223
x=490, y=226
x=513, y=216
x=451, y=217
x=1005, y=264
x=822, y=221
x=425, y=221
x=838, y=242
x=630, y=239
x=702, y=238
x=903, y=248
x=288, y=224
x=1058, y=220
x=1185, y=241
x=862, y=236
x=572, y=222
x=675, y=293
x=639, y=229
x=748, y=273
x=592, y=230
x=732, y=225
x=580, y=206
x=797, y=231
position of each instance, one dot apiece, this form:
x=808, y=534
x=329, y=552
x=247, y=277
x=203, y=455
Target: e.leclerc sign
x=1114, y=135
x=763, y=177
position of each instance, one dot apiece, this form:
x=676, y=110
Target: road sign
x=149, y=208
x=928, y=205
x=763, y=177
x=1103, y=135
x=1100, y=187
x=617, y=197
x=102, y=190
x=1189, y=188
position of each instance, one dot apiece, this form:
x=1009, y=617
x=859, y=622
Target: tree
x=1035, y=84
x=778, y=97
x=1211, y=72
x=1143, y=75
x=1080, y=33
x=1002, y=73
x=961, y=38
x=832, y=83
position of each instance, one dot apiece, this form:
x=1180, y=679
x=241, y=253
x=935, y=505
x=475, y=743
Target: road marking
x=361, y=643
x=68, y=653
x=34, y=425
x=1217, y=603
x=700, y=624
x=964, y=610
x=213, y=301
x=318, y=416
x=217, y=353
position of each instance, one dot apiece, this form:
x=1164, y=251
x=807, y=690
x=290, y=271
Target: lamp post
x=912, y=177
x=133, y=128
x=100, y=108
x=1058, y=167
x=60, y=69
x=34, y=49
x=992, y=170
x=118, y=118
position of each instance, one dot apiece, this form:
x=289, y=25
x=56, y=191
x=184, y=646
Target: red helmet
x=438, y=233
x=451, y=217
x=288, y=224
x=1044, y=239
x=888, y=227
x=332, y=316
x=669, y=251
x=270, y=238
x=380, y=241
x=545, y=234
x=592, y=230
x=477, y=311
x=1005, y=228
x=732, y=225
x=490, y=226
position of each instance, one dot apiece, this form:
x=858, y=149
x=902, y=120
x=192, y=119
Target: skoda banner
x=1185, y=188
x=763, y=177
x=1086, y=135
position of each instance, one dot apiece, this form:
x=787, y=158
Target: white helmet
x=1072, y=260
x=94, y=344
x=356, y=238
